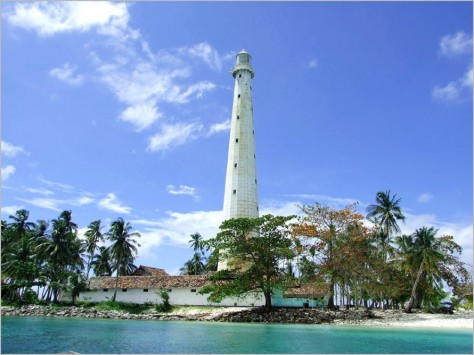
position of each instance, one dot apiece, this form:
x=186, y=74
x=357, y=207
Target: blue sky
x=122, y=110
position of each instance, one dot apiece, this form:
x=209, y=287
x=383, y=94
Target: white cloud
x=50, y=18
x=447, y=93
x=453, y=90
x=111, y=203
x=41, y=191
x=173, y=135
x=84, y=200
x=10, y=150
x=65, y=73
x=205, y=52
x=424, y=198
x=141, y=115
x=182, y=190
x=176, y=228
x=58, y=186
x=177, y=95
x=219, y=127
x=466, y=80
x=457, y=44
x=48, y=203
x=141, y=86
x=11, y=210
x=313, y=63
x=8, y=171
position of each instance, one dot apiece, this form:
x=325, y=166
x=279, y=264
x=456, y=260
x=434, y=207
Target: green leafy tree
x=20, y=225
x=254, y=249
x=123, y=249
x=102, y=264
x=93, y=237
x=76, y=285
x=385, y=214
x=425, y=255
x=61, y=252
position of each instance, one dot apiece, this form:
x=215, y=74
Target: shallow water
x=55, y=335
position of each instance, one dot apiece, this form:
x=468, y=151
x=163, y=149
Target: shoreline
x=372, y=318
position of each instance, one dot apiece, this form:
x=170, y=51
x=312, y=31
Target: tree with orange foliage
x=341, y=245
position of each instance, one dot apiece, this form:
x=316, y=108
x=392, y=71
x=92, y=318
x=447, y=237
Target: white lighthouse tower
x=240, y=196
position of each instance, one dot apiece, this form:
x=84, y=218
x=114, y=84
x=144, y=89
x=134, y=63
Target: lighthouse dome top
x=242, y=62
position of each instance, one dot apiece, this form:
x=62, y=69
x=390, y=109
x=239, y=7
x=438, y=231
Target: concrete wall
x=178, y=296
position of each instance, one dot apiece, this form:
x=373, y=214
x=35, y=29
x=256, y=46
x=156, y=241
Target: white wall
x=178, y=296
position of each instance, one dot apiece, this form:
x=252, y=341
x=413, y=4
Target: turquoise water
x=56, y=335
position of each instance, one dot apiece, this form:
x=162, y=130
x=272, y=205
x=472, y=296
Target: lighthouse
x=240, y=195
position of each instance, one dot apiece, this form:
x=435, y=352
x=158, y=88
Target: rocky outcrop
x=255, y=315
x=296, y=315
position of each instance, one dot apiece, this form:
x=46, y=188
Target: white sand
x=397, y=318
x=387, y=318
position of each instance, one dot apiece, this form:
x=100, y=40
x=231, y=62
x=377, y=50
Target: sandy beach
x=387, y=318
x=397, y=318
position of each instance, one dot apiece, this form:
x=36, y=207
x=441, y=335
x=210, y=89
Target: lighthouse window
x=236, y=140
x=238, y=95
x=255, y=180
x=240, y=75
x=235, y=165
x=235, y=191
x=254, y=155
x=238, y=117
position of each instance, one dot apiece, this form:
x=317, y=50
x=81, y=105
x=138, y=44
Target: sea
x=40, y=335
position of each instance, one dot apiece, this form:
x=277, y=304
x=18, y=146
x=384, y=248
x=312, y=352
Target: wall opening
x=124, y=290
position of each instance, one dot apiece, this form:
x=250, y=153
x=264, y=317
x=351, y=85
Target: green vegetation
x=335, y=249
x=253, y=249
x=199, y=264
x=48, y=257
x=165, y=305
x=362, y=261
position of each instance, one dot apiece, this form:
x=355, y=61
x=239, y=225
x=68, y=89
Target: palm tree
x=123, y=249
x=385, y=214
x=20, y=226
x=62, y=252
x=426, y=254
x=196, y=243
x=66, y=216
x=93, y=236
x=188, y=268
x=101, y=263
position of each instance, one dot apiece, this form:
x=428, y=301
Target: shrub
x=165, y=305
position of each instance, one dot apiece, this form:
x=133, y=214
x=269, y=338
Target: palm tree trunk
x=89, y=266
x=116, y=283
x=413, y=291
